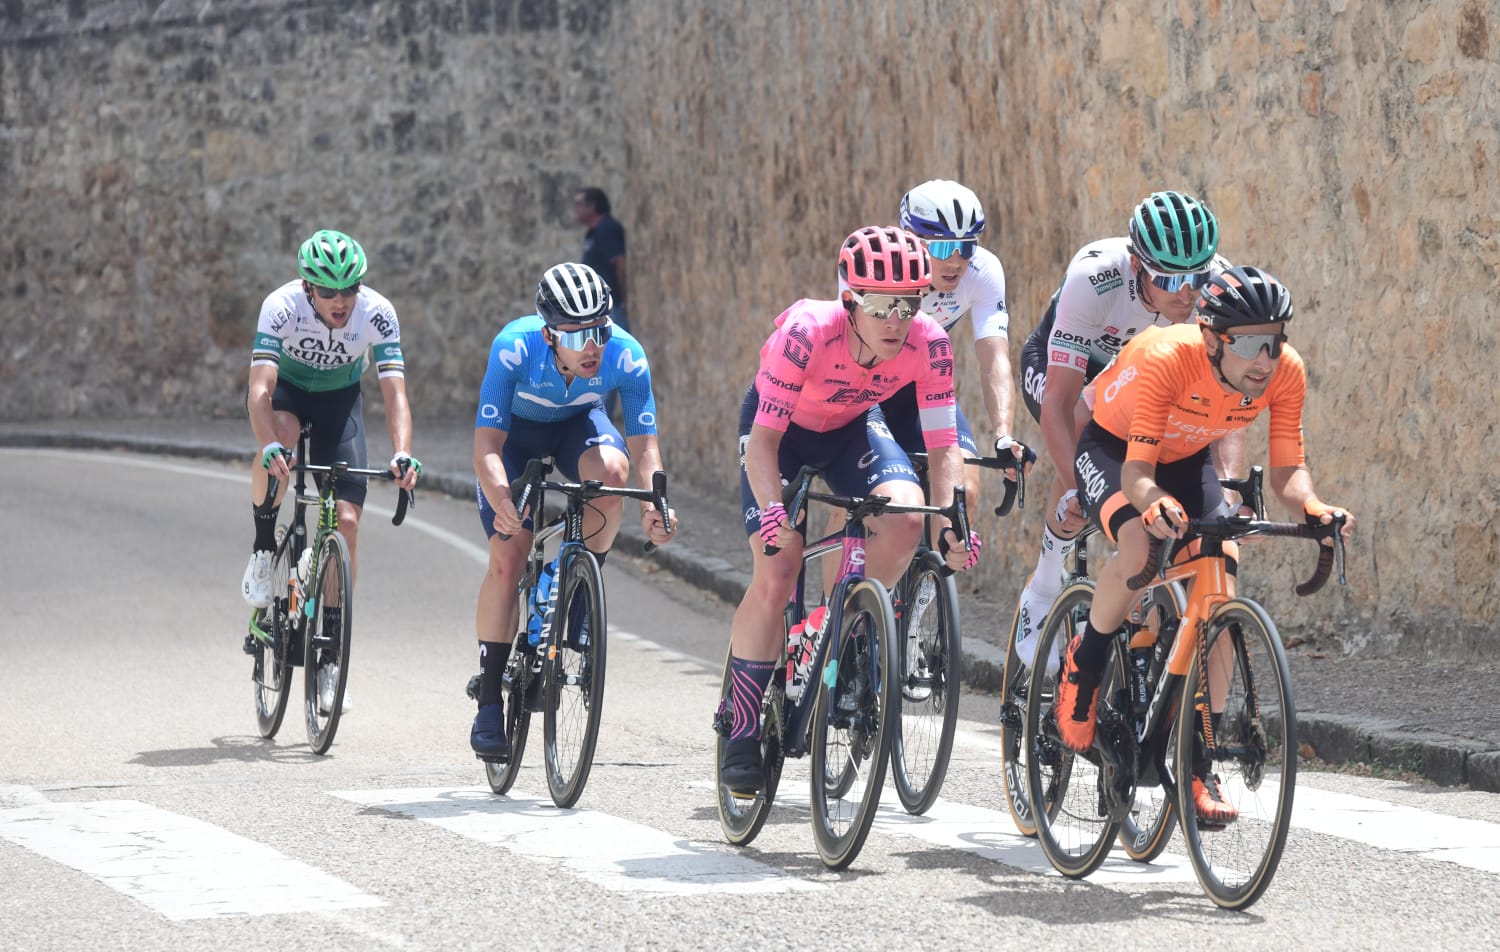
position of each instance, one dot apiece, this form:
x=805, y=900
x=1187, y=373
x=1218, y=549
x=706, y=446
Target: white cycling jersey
x=312, y=356
x=980, y=293
x=1099, y=307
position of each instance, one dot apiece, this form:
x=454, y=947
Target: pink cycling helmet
x=885, y=259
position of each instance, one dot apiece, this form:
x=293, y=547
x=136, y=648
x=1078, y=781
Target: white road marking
x=1471, y=843
x=611, y=852
x=181, y=867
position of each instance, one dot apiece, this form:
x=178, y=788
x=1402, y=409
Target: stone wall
x=159, y=162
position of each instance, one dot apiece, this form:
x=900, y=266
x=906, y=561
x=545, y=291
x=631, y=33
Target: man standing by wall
x=603, y=246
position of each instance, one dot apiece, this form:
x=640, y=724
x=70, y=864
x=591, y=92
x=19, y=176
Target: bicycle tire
x=1254, y=754
x=573, y=690
x=928, y=717
x=1015, y=682
x=502, y=776
x=1145, y=833
x=271, y=669
x=858, y=687
x=741, y=818
x=1074, y=833
x=329, y=624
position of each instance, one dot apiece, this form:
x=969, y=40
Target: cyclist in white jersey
x=314, y=338
x=1113, y=289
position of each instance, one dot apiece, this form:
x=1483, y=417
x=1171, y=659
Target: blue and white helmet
x=942, y=209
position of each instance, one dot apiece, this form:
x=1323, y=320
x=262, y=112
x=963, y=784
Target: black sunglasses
x=328, y=294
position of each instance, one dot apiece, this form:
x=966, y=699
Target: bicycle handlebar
x=1014, y=470
x=532, y=477
x=406, y=500
x=1234, y=527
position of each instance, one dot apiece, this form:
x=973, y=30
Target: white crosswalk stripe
x=611, y=852
x=179, y=866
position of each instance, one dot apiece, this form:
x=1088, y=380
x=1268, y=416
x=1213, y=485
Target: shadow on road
x=240, y=748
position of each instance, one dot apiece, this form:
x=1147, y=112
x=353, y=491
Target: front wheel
x=573, y=697
x=270, y=636
x=1247, y=746
x=853, y=723
x=930, y=677
x=329, y=622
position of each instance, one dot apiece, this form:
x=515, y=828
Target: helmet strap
x=1216, y=360
x=863, y=345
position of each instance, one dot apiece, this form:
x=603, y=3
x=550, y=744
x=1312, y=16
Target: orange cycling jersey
x=1163, y=397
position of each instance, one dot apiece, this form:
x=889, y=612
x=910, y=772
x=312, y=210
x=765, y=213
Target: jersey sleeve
x=1080, y=317
x=508, y=358
x=783, y=370
x=989, y=315
x=1289, y=394
x=937, y=410
x=633, y=378
x=276, y=319
x=386, y=346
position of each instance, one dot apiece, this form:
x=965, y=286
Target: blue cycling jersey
x=522, y=381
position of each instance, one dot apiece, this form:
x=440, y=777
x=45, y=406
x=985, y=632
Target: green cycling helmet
x=331, y=259
x=1173, y=233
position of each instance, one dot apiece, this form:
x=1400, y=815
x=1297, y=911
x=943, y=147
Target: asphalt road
x=140, y=809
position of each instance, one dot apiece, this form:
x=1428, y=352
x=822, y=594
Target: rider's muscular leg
x=287, y=428
x=757, y=630
x=1113, y=595
x=893, y=537
x=349, y=515
x=495, y=615
x=601, y=518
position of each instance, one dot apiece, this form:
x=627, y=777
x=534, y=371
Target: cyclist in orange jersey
x=1143, y=466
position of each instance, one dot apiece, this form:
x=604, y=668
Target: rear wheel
x=517, y=718
x=1253, y=754
x=930, y=677
x=1147, y=830
x=853, y=724
x=1073, y=823
x=573, y=695
x=1014, y=684
x=329, y=623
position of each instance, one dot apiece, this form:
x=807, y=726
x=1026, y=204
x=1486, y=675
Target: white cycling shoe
x=328, y=675
x=256, y=586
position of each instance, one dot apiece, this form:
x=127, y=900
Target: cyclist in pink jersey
x=815, y=401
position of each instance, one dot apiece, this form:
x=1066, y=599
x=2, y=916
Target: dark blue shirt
x=601, y=246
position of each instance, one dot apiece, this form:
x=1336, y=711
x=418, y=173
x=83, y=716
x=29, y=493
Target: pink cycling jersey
x=808, y=375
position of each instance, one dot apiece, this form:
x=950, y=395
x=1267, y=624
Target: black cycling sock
x=492, y=658
x=1093, y=653
x=265, y=527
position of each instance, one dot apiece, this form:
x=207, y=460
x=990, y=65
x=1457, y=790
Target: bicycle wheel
x=742, y=817
x=517, y=718
x=930, y=681
x=271, y=669
x=1073, y=823
x=573, y=695
x=1147, y=830
x=329, y=621
x=853, y=724
x=1014, y=683
x=1253, y=753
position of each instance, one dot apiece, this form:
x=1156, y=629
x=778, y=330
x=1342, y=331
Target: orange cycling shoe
x=1209, y=803
x=1076, y=714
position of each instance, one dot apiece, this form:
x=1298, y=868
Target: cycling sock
x=265, y=527
x=492, y=658
x=748, y=680
x=1094, y=651
x=1047, y=581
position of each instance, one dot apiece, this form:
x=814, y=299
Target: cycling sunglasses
x=1249, y=346
x=1172, y=283
x=943, y=250
x=577, y=340
x=328, y=294
x=880, y=306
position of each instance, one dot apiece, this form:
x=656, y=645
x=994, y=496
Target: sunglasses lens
x=1173, y=283
x=578, y=340
x=1249, y=346
x=943, y=250
x=881, y=306
x=329, y=294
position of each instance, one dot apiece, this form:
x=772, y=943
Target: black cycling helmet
x=572, y=293
x=1243, y=296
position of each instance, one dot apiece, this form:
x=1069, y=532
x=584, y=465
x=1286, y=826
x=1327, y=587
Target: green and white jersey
x=310, y=355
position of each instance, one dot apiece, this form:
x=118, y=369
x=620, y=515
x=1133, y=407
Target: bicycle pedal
x=492, y=760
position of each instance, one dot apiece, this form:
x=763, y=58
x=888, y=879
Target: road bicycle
x=835, y=699
x=925, y=601
x=561, y=674
x=310, y=620
x=1217, y=702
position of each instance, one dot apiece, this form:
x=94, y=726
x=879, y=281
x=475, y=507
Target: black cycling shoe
x=487, y=736
x=742, y=771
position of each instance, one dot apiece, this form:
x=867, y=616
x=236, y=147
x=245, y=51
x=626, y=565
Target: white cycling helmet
x=942, y=209
x=572, y=293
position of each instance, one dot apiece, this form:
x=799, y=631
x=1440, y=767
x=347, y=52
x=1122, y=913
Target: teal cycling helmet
x=1173, y=233
x=331, y=259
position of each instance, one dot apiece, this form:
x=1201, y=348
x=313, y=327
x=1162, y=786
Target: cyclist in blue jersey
x=543, y=396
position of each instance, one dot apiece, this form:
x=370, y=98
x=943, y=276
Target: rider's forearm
x=645, y=459
x=397, y=413
x=489, y=465
x=761, y=465
x=258, y=403
x=995, y=374
x=1138, y=483
x=946, y=469
x=1293, y=485
x=1229, y=455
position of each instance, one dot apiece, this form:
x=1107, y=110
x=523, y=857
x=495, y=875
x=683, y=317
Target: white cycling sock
x=1043, y=586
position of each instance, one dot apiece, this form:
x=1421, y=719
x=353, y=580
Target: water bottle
x=1142, y=647
x=541, y=598
x=304, y=563
x=812, y=634
x=794, y=641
